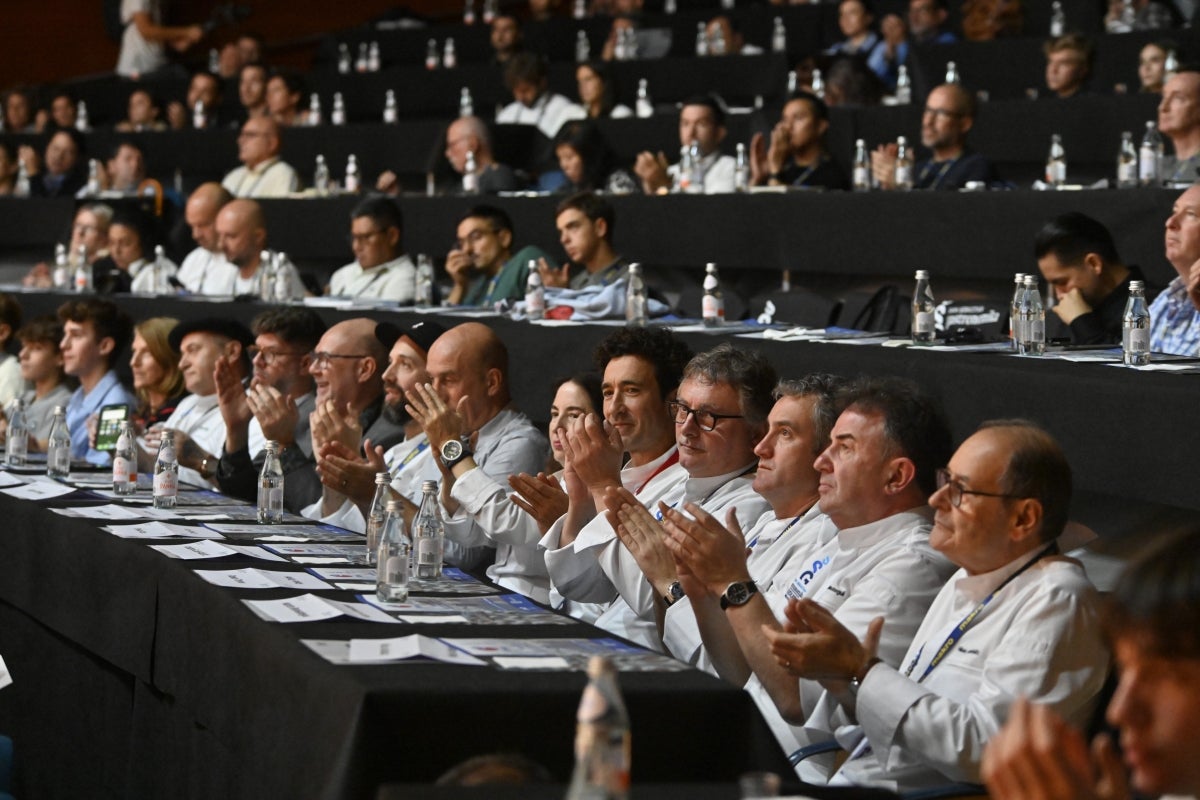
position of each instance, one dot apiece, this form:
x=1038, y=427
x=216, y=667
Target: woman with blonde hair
x=155, y=367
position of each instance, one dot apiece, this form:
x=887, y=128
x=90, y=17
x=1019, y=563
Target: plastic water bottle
x=862, y=167
x=817, y=84
x=338, y=115
x=923, y=331
x=712, y=305
x=1135, y=327
x=583, y=48
x=392, y=557
x=429, y=534
x=166, y=472
x=321, y=176
x=83, y=272
x=391, y=115
x=1015, y=333
x=535, y=293
x=81, y=118
x=16, y=446
x=1056, y=163
x=1150, y=156
x=1127, y=163
x=377, y=515
x=125, y=461
x=351, y=184
x=466, y=105
x=423, y=291
x=1058, y=19
x=345, y=62
x=314, y=110
x=903, y=86
x=449, y=54
x=603, y=745
x=635, y=298
x=270, y=488
x=644, y=106
x=778, y=36
x=432, y=57
x=741, y=170
x=952, y=73
x=61, y=277
x=904, y=166
x=1032, y=317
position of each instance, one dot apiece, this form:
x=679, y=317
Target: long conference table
x=145, y=679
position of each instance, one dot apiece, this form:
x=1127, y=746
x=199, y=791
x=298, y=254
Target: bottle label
x=1037, y=330
x=1127, y=172
x=1148, y=165
x=535, y=302
x=352, y=183
x=166, y=484
x=120, y=470
x=394, y=569
x=712, y=307
x=60, y=459
x=923, y=322
x=904, y=176
x=1137, y=340
x=428, y=551
x=275, y=498
x=1056, y=172
x=862, y=177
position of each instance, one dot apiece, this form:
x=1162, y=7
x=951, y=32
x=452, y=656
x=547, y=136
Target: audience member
x=64, y=110
x=1017, y=619
x=505, y=38
x=10, y=367
x=143, y=113
x=252, y=90
x=18, y=112
x=1151, y=622
x=142, y=43
x=1068, y=64
x=42, y=370
x=9, y=167
x=205, y=89
x=1179, y=121
x=850, y=82
x=242, y=234
x=597, y=92
x=1152, y=67
x=468, y=416
x=124, y=170
x=585, y=160
x=533, y=103
x=95, y=332
x=701, y=120
x=724, y=29
x=854, y=20
x=949, y=115
x=926, y=19
x=250, y=48
x=285, y=90
x=157, y=379
x=89, y=231
x=63, y=170
x=467, y=135
x=482, y=264
x=797, y=155
x=1140, y=15
x=263, y=173
x=1078, y=258
x=204, y=270
x=1175, y=313
x=585, y=225
x=380, y=268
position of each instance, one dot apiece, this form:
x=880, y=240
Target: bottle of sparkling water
x=125, y=461
x=166, y=472
x=603, y=745
x=535, y=293
x=712, y=304
x=1032, y=318
x=270, y=488
x=391, y=569
x=377, y=515
x=635, y=298
x=1127, y=163
x=58, y=447
x=923, y=330
x=16, y=448
x=429, y=534
x=1135, y=326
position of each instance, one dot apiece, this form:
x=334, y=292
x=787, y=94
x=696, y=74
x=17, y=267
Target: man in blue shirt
x=94, y=333
x=1175, y=313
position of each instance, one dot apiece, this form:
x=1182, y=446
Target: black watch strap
x=738, y=594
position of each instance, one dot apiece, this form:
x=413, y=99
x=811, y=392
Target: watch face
x=675, y=590
x=738, y=594
x=452, y=449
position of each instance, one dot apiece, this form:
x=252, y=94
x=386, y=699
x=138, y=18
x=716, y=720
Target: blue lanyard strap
x=969, y=620
x=416, y=451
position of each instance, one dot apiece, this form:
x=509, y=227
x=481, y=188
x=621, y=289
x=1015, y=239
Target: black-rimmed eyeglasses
x=945, y=479
x=705, y=420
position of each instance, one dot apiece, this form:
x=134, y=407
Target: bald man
x=205, y=269
x=241, y=231
x=262, y=173
x=467, y=135
x=347, y=369
x=480, y=439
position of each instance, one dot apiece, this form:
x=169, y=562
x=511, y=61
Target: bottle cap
x=429, y=486
x=922, y=274
x=383, y=477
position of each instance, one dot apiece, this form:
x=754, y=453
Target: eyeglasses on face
x=945, y=479
x=269, y=355
x=320, y=359
x=705, y=420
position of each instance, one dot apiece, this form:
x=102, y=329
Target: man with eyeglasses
x=275, y=406
x=719, y=416
x=949, y=115
x=206, y=346
x=263, y=173
x=872, y=477
x=466, y=135
x=380, y=269
x=1017, y=619
x=89, y=231
x=482, y=264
